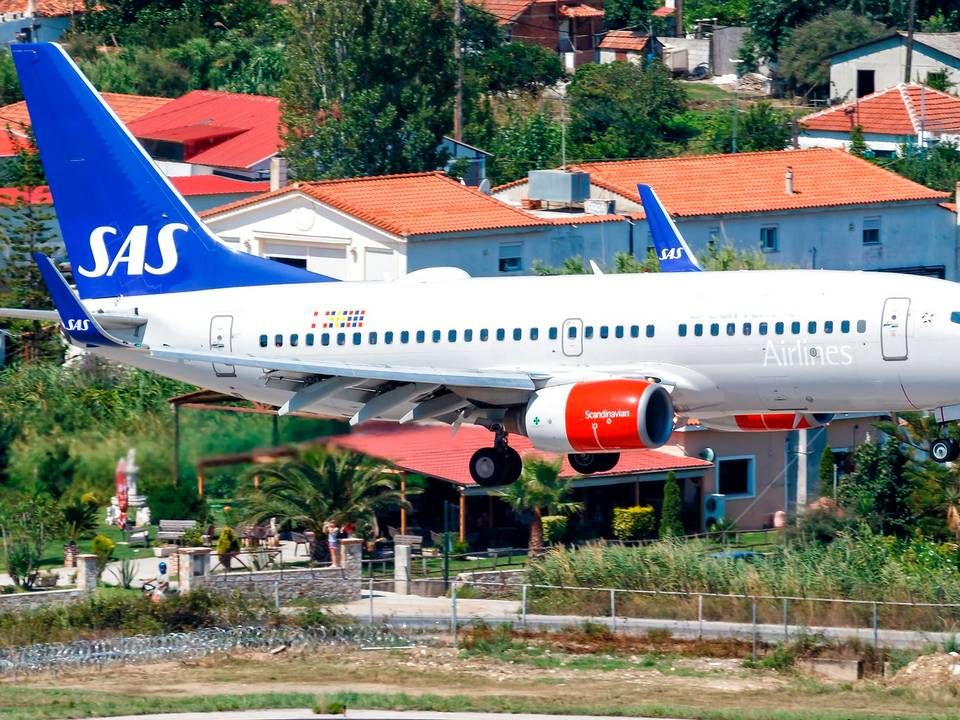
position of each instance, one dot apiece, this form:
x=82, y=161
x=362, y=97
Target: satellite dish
x=707, y=454
x=484, y=187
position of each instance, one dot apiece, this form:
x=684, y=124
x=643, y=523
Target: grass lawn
x=705, y=92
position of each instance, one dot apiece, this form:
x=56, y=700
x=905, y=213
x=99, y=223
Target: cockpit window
x=955, y=317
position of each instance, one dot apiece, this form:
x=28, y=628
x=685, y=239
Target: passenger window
x=278, y=340
x=264, y=341
x=619, y=331
x=325, y=339
x=404, y=336
x=778, y=328
x=588, y=332
x=572, y=331
x=294, y=340
x=731, y=328
x=357, y=338
x=682, y=330
x=747, y=329
x=534, y=333
x=484, y=335
x=372, y=338
x=698, y=329
x=715, y=329
x=341, y=339
x=812, y=327
x=828, y=326
x=552, y=334
x=604, y=332
x=650, y=330
x=634, y=331
x=861, y=326
x=451, y=336
x=309, y=339
x=435, y=336
x=844, y=326
x=955, y=317
x=468, y=335
x=795, y=327
x=501, y=334
x=517, y=334
x=421, y=336
x=388, y=337
x=762, y=328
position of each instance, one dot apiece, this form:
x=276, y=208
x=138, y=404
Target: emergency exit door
x=572, y=337
x=221, y=341
x=893, y=329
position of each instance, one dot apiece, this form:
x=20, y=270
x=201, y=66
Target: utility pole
x=458, y=58
x=678, y=16
x=911, y=11
x=736, y=102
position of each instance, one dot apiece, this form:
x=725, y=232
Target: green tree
x=628, y=13
x=760, y=127
x=29, y=521
x=516, y=67
x=727, y=12
x=524, y=144
x=321, y=485
x=937, y=167
x=825, y=471
x=939, y=80
x=804, y=56
x=369, y=86
x=623, y=110
x=671, y=513
x=725, y=257
x=540, y=491
x=858, y=145
x=877, y=490
x=9, y=83
x=79, y=516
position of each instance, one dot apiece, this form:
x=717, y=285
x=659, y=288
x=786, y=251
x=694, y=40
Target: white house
x=37, y=20
x=379, y=228
x=881, y=63
x=903, y=115
x=817, y=208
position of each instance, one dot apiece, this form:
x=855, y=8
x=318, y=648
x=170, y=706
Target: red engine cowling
x=767, y=422
x=599, y=416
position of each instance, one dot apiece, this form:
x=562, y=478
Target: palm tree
x=322, y=485
x=539, y=488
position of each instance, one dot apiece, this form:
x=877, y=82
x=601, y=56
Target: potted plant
x=80, y=518
x=227, y=546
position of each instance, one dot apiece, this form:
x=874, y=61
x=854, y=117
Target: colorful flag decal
x=331, y=319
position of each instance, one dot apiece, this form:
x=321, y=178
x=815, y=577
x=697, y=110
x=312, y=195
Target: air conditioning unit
x=714, y=510
x=558, y=186
x=599, y=206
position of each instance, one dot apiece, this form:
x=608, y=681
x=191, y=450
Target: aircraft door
x=221, y=341
x=572, y=338
x=893, y=329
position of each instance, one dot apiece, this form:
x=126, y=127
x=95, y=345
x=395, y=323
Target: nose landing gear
x=499, y=465
x=944, y=450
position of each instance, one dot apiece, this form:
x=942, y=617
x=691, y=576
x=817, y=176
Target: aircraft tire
x=944, y=450
x=514, y=465
x=488, y=467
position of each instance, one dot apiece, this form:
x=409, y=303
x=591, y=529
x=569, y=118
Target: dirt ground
x=692, y=683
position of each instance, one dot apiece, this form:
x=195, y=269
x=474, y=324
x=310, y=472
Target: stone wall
x=30, y=600
x=492, y=583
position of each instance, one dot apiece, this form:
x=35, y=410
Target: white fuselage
x=747, y=341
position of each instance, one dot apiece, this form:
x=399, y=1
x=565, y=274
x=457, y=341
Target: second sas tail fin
x=672, y=250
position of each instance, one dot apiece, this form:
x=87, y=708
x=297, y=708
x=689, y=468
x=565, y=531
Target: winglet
x=672, y=250
x=78, y=323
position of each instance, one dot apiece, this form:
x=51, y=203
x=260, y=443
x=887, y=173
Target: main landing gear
x=499, y=465
x=944, y=450
x=589, y=463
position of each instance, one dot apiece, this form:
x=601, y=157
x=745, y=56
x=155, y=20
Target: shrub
x=671, y=522
x=79, y=516
x=193, y=537
x=103, y=548
x=22, y=563
x=633, y=523
x=228, y=542
x=554, y=528
x=177, y=502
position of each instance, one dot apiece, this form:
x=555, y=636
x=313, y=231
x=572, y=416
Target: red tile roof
x=664, y=11
x=580, y=11
x=127, y=107
x=898, y=110
x=250, y=125
x=406, y=205
x=754, y=182
x=504, y=10
x=431, y=450
x=625, y=40
x=192, y=186
x=43, y=8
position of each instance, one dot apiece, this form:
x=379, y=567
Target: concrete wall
x=31, y=600
x=698, y=49
x=724, y=46
x=887, y=59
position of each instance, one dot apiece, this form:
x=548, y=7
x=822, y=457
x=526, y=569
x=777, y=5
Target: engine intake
x=598, y=416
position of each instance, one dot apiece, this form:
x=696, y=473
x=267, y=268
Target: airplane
x=587, y=365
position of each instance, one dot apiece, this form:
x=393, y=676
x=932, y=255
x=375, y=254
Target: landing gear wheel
x=514, y=465
x=589, y=463
x=944, y=450
x=488, y=467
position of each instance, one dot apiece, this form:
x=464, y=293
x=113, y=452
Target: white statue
x=143, y=516
x=113, y=511
x=132, y=473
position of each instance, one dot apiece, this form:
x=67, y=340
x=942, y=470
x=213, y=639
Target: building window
x=769, y=240
x=511, y=257
x=735, y=476
x=871, y=230
x=866, y=82
x=713, y=237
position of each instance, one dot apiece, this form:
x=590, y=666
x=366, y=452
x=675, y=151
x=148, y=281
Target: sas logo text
x=671, y=253
x=132, y=252
x=82, y=325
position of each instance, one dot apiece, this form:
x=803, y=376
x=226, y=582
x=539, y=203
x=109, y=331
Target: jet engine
x=767, y=422
x=598, y=416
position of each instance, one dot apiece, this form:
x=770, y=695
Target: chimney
x=788, y=180
x=278, y=172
